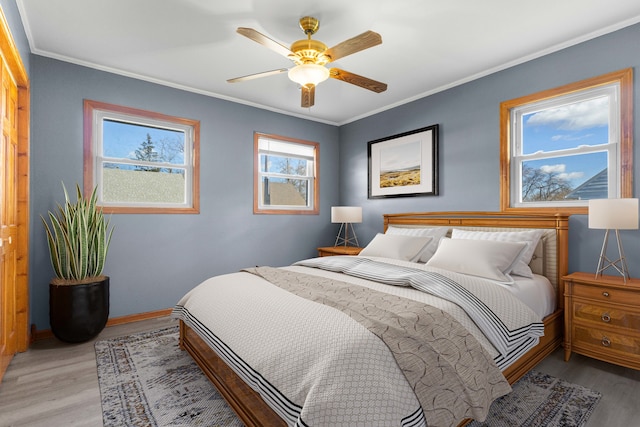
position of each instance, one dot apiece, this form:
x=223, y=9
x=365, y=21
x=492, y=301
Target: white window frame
x=618, y=87
x=96, y=113
x=291, y=148
x=612, y=92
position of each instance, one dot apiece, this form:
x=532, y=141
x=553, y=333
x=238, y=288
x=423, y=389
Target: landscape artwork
x=400, y=165
x=405, y=164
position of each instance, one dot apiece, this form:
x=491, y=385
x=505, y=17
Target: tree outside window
x=286, y=175
x=141, y=161
x=562, y=147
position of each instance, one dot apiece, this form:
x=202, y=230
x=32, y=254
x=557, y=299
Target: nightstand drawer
x=599, y=293
x=606, y=316
x=605, y=341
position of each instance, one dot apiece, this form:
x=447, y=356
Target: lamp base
x=346, y=240
x=604, y=262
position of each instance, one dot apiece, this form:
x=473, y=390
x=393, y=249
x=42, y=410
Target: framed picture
x=405, y=164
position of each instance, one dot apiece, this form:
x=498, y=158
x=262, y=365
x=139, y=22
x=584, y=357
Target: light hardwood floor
x=620, y=387
x=56, y=384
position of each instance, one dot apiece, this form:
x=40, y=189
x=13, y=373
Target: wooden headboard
x=552, y=253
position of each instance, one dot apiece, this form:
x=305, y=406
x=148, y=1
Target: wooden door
x=14, y=199
x=8, y=218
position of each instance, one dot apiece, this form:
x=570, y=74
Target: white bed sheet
x=537, y=292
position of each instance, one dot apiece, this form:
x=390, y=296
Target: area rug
x=540, y=400
x=146, y=380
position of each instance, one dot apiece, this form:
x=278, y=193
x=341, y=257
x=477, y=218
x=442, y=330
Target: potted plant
x=78, y=239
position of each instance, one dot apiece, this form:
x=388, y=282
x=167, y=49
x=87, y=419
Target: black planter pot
x=78, y=313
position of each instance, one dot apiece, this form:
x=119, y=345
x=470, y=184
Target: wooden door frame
x=16, y=67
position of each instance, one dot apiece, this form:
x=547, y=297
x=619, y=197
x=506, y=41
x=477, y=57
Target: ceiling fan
x=310, y=57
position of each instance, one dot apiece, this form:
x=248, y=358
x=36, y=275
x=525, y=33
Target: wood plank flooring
x=620, y=387
x=56, y=384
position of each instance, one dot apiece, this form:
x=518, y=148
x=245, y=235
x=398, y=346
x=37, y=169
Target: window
x=564, y=146
x=286, y=175
x=141, y=162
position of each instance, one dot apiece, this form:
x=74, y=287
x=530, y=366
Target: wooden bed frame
x=254, y=412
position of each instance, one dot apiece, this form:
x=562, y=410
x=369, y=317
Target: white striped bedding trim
x=287, y=410
x=505, y=341
x=416, y=419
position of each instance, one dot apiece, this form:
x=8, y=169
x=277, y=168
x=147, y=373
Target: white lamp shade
x=308, y=74
x=613, y=214
x=346, y=214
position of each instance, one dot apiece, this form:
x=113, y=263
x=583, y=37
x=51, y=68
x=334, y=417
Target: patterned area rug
x=540, y=400
x=146, y=380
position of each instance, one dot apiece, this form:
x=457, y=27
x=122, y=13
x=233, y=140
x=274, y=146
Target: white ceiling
x=428, y=45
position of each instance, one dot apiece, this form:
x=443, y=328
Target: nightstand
x=602, y=318
x=338, y=250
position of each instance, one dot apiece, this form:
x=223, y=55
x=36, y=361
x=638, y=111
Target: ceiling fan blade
x=308, y=95
x=257, y=75
x=357, y=80
x=265, y=41
x=356, y=44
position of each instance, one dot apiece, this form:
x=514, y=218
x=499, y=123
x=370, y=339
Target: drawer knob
x=605, y=294
x=606, y=317
x=606, y=341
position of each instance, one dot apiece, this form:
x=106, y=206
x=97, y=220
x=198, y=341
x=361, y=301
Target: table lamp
x=613, y=214
x=346, y=216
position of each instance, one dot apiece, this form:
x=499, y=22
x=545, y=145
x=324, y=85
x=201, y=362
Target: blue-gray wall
x=469, y=141
x=155, y=259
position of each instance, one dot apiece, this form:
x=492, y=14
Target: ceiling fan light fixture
x=310, y=57
x=306, y=74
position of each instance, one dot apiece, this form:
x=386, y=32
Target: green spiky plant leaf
x=78, y=237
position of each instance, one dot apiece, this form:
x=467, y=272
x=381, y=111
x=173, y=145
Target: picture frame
x=405, y=164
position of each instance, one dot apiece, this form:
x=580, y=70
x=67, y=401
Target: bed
x=259, y=379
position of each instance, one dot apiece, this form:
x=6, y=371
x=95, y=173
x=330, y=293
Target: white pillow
x=436, y=233
x=485, y=258
x=531, y=237
x=396, y=246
